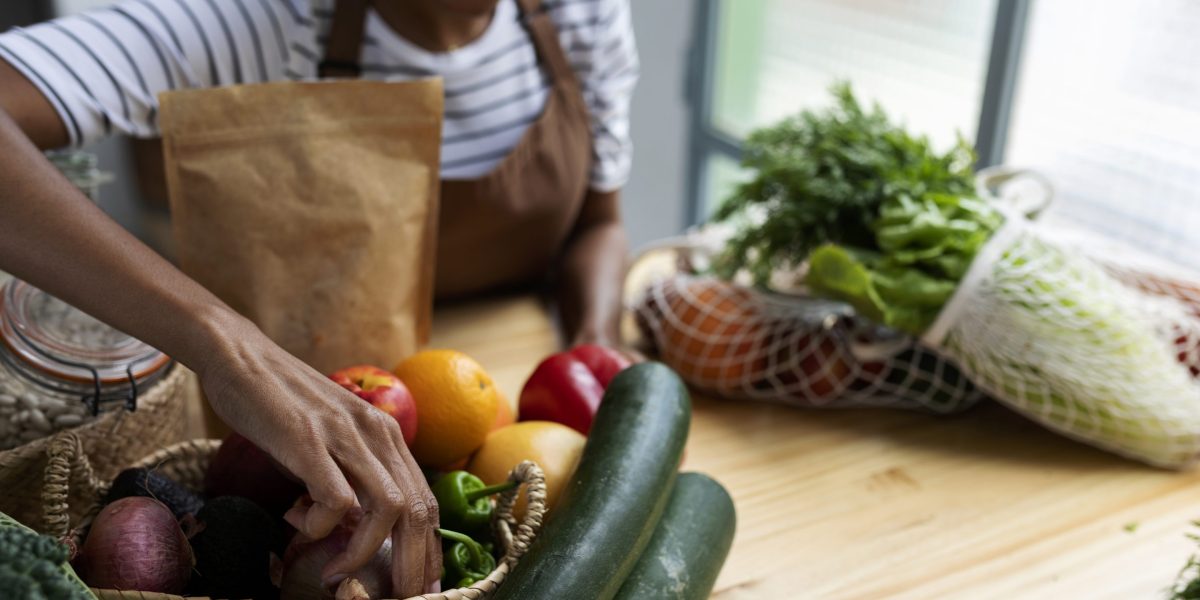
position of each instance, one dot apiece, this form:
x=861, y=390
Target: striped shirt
x=102, y=70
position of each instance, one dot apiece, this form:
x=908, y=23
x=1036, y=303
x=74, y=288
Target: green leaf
x=832, y=176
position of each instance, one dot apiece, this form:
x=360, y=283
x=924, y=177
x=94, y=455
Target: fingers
x=383, y=500
x=396, y=501
x=331, y=494
x=418, y=571
x=433, y=564
x=412, y=545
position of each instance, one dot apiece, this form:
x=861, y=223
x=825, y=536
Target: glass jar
x=60, y=368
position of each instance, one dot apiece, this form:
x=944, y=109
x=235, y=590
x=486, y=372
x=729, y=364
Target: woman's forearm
x=592, y=273
x=52, y=236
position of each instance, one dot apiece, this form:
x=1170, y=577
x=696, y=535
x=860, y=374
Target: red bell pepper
x=567, y=387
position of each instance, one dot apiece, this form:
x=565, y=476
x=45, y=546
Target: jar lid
x=68, y=344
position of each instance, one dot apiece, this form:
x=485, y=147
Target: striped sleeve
x=102, y=70
x=609, y=75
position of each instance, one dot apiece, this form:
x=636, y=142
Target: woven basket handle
x=66, y=465
x=515, y=537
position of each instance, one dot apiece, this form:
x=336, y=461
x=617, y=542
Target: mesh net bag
x=739, y=343
x=1077, y=344
x=1179, y=317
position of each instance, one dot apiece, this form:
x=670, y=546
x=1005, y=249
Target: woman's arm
x=593, y=271
x=52, y=236
x=594, y=263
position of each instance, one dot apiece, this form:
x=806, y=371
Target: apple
x=384, y=391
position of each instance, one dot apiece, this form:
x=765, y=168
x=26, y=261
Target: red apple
x=384, y=391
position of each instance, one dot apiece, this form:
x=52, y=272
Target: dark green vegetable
x=233, y=550
x=149, y=483
x=465, y=562
x=34, y=567
x=1187, y=584
x=940, y=385
x=689, y=546
x=887, y=223
x=464, y=502
x=609, y=509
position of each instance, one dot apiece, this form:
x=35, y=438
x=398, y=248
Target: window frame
x=707, y=141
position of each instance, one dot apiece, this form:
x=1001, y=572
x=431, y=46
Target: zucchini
x=610, y=508
x=690, y=545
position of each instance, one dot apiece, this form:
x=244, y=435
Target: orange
x=555, y=448
x=716, y=335
x=505, y=415
x=456, y=403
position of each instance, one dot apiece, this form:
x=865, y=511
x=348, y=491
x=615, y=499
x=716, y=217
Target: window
x=1103, y=100
x=926, y=59
x=1108, y=106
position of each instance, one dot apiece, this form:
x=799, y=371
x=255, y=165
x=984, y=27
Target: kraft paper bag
x=311, y=208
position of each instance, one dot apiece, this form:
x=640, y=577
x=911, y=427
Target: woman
x=535, y=149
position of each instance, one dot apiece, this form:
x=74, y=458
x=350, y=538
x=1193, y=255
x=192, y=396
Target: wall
x=654, y=200
x=654, y=203
x=20, y=12
x=64, y=7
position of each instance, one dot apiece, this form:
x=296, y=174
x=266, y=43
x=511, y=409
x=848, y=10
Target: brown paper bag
x=311, y=208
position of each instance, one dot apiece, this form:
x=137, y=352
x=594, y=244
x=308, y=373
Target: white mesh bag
x=1156, y=277
x=740, y=343
x=1074, y=340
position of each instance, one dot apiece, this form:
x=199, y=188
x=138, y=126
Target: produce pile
x=742, y=343
x=609, y=438
x=870, y=215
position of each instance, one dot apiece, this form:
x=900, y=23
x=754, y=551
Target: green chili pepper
x=464, y=502
x=466, y=562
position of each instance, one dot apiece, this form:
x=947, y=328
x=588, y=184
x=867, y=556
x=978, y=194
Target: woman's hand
x=347, y=453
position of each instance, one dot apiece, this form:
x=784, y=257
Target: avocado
x=149, y=483
x=233, y=550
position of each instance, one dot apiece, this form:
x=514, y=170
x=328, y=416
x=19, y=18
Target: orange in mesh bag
x=739, y=343
x=709, y=332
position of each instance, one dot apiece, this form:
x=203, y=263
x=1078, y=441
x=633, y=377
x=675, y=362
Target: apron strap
x=545, y=40
x=345, y=40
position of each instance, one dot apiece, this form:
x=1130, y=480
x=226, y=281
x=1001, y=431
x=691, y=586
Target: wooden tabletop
x=873, y=504
x=884, y=504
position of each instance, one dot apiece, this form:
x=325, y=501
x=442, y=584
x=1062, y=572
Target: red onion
x=241, y=469
x=304, y=559
x=136, y=544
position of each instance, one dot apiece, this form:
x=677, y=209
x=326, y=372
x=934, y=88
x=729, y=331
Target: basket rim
x=516, y=536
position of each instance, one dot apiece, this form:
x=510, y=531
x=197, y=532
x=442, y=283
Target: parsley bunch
x=822, y=177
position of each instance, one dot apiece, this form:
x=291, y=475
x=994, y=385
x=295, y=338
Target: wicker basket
x=69, y=475
x=110, y=442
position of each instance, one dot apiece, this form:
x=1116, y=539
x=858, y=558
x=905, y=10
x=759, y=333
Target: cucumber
x=689, y=546
x=610, y=508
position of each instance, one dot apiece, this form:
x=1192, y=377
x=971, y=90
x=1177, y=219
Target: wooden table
x=885, y=504
x=878, y=504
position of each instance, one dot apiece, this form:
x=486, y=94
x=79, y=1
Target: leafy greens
x=886, y=222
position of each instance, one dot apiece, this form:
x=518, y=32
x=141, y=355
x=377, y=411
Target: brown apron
x=508, y=227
